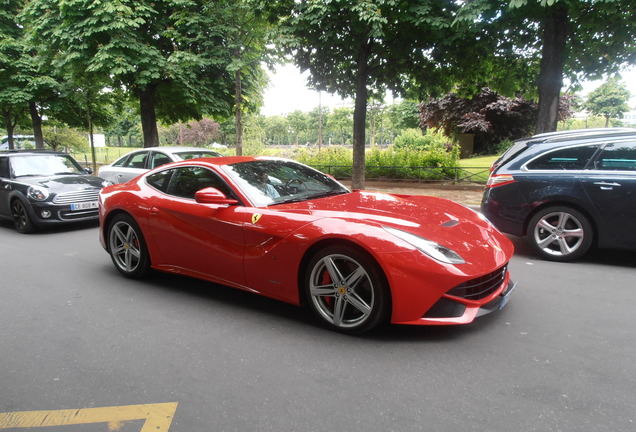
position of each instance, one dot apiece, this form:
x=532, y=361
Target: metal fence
x=412, y=174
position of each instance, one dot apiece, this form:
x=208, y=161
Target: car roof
x=578, y=134
x=31, y=152
x=175, y=149
x=229, y=160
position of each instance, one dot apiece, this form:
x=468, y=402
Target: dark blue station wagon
x=567, y=192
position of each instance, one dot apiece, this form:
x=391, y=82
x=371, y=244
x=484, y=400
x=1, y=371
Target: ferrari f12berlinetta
x=283, y=230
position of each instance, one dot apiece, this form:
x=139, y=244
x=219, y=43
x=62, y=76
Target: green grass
x=479, y=161
x=103, y=155
x=477, y=169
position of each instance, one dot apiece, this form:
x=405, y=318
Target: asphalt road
x=75, y=335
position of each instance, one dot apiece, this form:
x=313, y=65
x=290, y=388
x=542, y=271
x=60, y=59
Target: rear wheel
x=560, y=233
x=127, y=246
x=21, y=219
x=347, y=290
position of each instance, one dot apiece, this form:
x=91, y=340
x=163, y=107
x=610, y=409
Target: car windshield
x=268, y=182
x=187, y=155
x=44, y=165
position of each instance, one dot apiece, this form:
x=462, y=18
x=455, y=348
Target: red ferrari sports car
x=281, y=229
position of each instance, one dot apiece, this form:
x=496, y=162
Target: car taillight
x=499, y=179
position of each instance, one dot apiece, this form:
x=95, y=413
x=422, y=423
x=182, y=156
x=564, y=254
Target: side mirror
x=212, y=195
x=88, y=170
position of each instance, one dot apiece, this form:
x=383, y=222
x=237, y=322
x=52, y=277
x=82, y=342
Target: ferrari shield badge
x=256, y=217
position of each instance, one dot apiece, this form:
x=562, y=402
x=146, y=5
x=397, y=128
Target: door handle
x=154, y=211
x=607, y=185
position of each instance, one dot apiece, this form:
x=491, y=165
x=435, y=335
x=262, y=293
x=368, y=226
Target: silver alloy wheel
x=559, y=233
x=341, y=291
x=125, y=247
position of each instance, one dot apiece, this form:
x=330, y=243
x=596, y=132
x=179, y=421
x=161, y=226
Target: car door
x=157, y=159
x=128, y=168
x=198, y=239
x=611, y=187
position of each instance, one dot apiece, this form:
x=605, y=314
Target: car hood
x=63, y=183
x=443, y=221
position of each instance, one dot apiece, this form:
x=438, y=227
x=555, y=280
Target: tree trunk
x=360, y=120
x=238, y=117
x=148, y=116
x=36, y=119
x=552, y=60
x=8, y=124
x=91, y=136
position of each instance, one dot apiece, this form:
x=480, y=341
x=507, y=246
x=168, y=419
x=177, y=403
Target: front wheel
x=127, y=247
x=347, y=290
x=21, y=219
x=560, y=233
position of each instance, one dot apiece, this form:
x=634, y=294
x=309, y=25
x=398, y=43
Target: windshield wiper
x=327, y=194
x=290, y=200
x=310, y=197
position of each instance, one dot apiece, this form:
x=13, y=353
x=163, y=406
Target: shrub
x=414, y=139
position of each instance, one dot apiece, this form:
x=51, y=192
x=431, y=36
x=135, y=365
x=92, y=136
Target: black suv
x=40, y=188
x=567, y=191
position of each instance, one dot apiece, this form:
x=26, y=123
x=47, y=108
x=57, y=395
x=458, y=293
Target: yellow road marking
x=158, y=417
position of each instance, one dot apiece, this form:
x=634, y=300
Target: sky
x=288, y=92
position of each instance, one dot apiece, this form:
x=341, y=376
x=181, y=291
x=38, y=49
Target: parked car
x=283, y=230
x=138, y=162
x=39, y=188
x=567, y=192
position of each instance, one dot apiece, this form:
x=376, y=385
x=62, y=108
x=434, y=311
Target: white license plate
x=84, y=206
x=505, y=299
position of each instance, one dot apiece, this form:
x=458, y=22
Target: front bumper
x=51, y=214
x=451, y=310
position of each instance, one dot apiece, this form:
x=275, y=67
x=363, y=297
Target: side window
x=4, y=167
x=122, y=161
x=159, y=159
x=571, y=158
x=160, y=180
x=617, y=157
x=138, y=160
x=186, y=181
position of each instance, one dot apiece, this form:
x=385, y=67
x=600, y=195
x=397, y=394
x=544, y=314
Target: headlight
x=430, y=248
x=37, y=193
x=106, y=183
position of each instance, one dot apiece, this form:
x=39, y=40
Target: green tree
x=298, y=124
x=276, y=129
x=170, y=55
x=340, y=124
x=249, y=32
x=549, y=40
x=14, y=95
x=358, y=48
x=609, y=100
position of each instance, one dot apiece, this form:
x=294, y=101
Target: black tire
x=347, y=290
x=127, y=247
x=560, y=233
x=21, y=219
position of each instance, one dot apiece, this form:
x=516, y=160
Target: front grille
x=76, y=196
x=73, y=215
x=481, y=287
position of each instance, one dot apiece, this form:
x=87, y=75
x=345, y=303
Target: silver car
x=138, y=162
